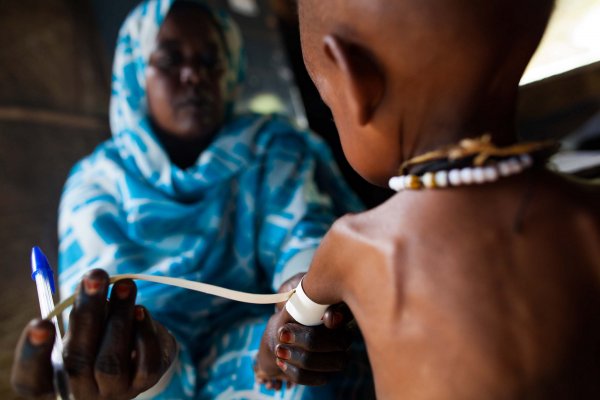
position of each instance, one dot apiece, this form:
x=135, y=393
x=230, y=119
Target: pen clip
x=40, y=265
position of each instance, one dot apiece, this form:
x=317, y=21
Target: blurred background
x=55, y=58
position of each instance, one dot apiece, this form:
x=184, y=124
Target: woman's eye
x=167, y=60
x=210, y=61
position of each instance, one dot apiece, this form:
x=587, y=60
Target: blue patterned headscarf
x=247, y=215
x=129, y=119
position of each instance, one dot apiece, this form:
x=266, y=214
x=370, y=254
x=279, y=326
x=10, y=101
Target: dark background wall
x=562, y=105
x=53, y=98
x=54, y=74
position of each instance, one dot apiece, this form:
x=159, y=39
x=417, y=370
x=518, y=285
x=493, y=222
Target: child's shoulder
x=376, y=232
x=574, y=204
x=581, y=193
x=567, y=203
x=545, y=202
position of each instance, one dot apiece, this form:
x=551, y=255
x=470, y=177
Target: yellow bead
x=412, y=182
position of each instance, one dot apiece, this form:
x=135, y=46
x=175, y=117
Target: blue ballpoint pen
x=41, y=273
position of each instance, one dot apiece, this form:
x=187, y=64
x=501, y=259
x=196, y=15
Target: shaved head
x=435, y=70
x=384, y=26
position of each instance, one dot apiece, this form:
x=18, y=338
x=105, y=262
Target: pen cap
x=40, y=265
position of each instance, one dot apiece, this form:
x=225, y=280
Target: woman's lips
x=195, y=103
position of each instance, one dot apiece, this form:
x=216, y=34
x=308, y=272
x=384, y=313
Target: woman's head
x=176, y=74
x=185, y=78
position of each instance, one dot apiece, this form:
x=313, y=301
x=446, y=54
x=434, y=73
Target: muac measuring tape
x=298, y=305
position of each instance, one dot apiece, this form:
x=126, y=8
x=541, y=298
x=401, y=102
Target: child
x=481, y=278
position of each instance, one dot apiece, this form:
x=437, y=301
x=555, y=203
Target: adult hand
x=113, y=348
x=294, y=353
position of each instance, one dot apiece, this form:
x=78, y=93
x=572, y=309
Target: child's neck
x=448, y=125
x=464, y=106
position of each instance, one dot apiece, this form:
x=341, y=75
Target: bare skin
x=186, y=83
x=295, y=354
x=489, y=291
x=492, y=313
x=128, y=354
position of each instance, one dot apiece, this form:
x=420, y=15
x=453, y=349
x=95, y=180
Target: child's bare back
x=481, y=279
x=474, y=293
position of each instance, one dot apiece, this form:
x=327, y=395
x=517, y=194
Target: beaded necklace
x=471, y=161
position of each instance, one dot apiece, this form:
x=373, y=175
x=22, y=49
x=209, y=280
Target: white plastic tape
x=304, y=310
x=196, y=286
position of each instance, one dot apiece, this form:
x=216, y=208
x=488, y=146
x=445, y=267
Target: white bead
x=526, y=160
x=504, y=168
x=478, y=175
x=441, y=178
x=428, y=180
x=490, y=174
x=402, y=182
x=466, y=176
x=394, y=183
x=454, y=177
x=463, y=176
x=515, y=166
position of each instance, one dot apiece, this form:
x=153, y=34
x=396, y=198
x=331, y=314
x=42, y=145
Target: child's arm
x=309, y=354
x=330, y=270
x=301, y=354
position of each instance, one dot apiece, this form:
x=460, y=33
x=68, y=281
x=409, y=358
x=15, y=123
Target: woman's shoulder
x=254, y=138
x=282, y=132
x=92, y=170
x=273, y=126
x=97, y=160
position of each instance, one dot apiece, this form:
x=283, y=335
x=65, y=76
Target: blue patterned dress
x=247, y=216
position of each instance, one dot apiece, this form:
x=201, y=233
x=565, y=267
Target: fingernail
x=139, y=314
x=282, y=365
x=123, y=291
x=286, y=336
x=38, y=336
x=92, y=285
x=283, y=353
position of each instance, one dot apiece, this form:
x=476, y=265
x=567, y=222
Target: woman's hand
x=113, y=349
x=301, y=354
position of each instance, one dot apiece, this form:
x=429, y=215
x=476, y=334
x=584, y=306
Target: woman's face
x=186, y=76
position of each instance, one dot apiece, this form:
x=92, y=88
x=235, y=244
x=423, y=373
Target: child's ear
x=364, y=80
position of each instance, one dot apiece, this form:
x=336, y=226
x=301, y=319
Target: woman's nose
x=192, y=74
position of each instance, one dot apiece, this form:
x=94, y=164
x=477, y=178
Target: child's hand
x=113, y=349
x=300, y=354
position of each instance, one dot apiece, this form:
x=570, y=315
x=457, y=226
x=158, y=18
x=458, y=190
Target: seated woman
x=480, y=279
x=186, y=188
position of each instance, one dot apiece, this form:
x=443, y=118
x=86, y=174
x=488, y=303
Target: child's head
x=404, y=76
